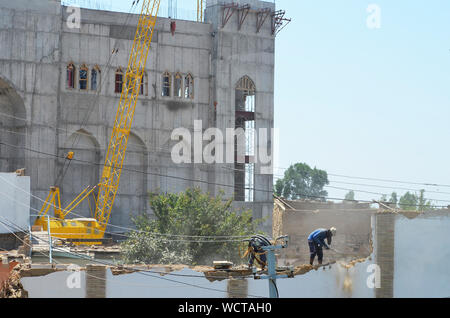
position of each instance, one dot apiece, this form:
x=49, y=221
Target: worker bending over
x=255, y=251
x=316, y=240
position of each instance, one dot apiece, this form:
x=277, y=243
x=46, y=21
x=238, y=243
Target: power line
x=379, y=186
x=83, y=134
x=377, y=193
x=143, y=272
x=384, y=180
x=386, y=187
x=275, y=176
x=132, y=170
x=62, y=173
x=134, y=230
x=85, y=256
x=187, y=179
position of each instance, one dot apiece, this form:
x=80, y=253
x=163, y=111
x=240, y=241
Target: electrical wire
x=276, y=288
x=377, y=193
x=153, y=233
x=64, y=169
x=134, y=270
x=229, y=168
x=384, y=180
x=238, y=238
x=161, y=149
x=147, y=272
x=387, y=187
x=359, y=184
x=132, y=170
x=199, y=181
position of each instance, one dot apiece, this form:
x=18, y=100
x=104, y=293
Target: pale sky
x=366, y=102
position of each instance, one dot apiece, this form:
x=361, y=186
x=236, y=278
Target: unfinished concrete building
x=60, y=86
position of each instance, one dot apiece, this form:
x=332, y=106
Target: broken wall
x=353, y=222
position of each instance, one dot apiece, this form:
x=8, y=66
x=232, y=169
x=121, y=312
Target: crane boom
x=92, y=230
x=109, y=182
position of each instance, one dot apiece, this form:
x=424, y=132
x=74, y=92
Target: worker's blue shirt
x=318, y=237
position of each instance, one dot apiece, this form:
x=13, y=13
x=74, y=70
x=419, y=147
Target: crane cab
x=79, y=231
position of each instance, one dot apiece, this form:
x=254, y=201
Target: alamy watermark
x=74, y=17
x=235, y=145
x=374, y=279
x=74, y=279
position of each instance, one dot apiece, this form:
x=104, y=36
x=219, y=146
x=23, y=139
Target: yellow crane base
x=81, y=231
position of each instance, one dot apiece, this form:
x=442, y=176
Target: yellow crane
x=92, y=230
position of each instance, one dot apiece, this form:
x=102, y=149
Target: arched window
x=83, y=79
x=118, y=81
x=95, y=77
x=144, y=84
x=70, y=78
x=245, y=95
x=189, y=87
x=178, y=85
x=244, y=177
x=166, y=84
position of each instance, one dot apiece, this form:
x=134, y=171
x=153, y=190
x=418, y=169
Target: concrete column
x=95, y=281
x=237, y=288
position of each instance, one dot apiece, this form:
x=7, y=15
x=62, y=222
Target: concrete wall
x=235, y=54
x=385, y=242
x=39, y=112
x=298, y=219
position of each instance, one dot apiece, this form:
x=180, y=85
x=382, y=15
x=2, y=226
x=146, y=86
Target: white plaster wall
x=14, y=201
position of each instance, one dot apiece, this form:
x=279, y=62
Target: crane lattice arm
x=109, y=182
x=200, y=8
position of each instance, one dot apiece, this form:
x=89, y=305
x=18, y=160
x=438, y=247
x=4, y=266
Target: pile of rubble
x=12, y=287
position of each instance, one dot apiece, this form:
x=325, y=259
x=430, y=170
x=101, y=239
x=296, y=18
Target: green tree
x=350, y=196
x=423, y=204
x=414, y=202
x=300, y=181
x=394, y=198
x=408, y=201
x=191, y=213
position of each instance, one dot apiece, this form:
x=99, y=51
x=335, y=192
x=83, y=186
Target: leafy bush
x=191, y=213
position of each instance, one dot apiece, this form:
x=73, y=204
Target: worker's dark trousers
x=314, y=250
x=262, y=257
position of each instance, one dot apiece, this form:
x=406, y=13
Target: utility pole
x=272, y=266
x=49, y=240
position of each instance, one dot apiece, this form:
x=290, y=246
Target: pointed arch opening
x=144, y=84
x=189, y=87
x=95, y=78
x=13, y=128
x=132, y=196
x=70, y=76
x=166, y=84
x=83, y=77
x=178, y=86
x=244, y=177
x=82, y=172
x=118, y=81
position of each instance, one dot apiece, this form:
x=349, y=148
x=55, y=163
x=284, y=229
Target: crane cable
x=75, y=142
